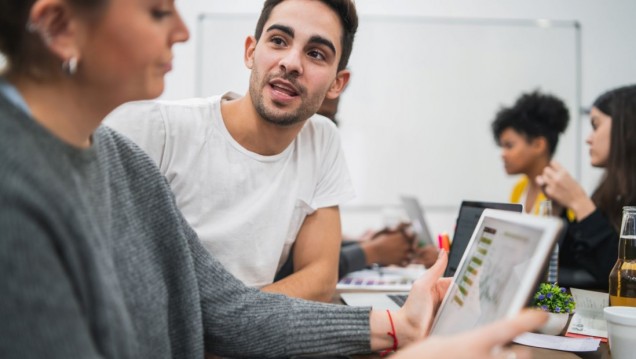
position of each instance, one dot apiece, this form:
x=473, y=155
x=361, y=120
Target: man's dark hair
x=534, y=115
x=346, y=10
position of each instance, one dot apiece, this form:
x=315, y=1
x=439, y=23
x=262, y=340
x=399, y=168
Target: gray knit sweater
x=97, y=262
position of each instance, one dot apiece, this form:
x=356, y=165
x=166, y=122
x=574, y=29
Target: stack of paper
x=558, y=343
x=588, y=320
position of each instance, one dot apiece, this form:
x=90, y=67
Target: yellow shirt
x=521, y=189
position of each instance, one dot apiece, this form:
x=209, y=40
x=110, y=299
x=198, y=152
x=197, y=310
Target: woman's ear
x=250, y=47
x=339, y=84
x=539, y=144
x=54, y=21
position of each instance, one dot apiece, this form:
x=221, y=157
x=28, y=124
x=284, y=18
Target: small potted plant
x=558, y=303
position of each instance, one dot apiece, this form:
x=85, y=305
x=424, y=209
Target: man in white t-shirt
x=257, y=174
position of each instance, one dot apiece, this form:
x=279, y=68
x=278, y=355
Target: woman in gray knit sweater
x=96, y=260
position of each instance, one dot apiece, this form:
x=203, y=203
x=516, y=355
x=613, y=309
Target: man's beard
x=281, y=117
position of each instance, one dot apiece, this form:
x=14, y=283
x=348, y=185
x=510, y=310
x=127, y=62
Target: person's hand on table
x=390, y=246
x=426, y=255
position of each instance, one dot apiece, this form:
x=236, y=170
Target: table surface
x=601, y=353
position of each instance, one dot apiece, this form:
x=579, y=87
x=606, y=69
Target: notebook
x=416, y=215
x=469, y=214
x=499, y=270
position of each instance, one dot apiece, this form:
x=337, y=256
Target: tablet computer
x=499, y=271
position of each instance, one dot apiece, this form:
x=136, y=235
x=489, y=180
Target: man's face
x=294, y=64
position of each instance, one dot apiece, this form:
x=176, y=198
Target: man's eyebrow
x=286, y=29
x=316, y=39
x=321, y=40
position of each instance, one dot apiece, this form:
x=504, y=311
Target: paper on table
x=558, y=343
x=588, y=318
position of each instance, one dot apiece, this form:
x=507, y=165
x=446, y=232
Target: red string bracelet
x=393, y=335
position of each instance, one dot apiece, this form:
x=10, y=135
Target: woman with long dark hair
x=590, y=247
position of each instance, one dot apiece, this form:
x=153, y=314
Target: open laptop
x=499, y=270
x=415, y=213
x=469, y=214
x=467, y=219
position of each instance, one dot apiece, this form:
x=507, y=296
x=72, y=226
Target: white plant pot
x=556, y=323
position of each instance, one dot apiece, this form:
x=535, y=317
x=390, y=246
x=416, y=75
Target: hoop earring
x=70, y=66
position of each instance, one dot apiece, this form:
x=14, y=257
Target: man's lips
x=284, y=87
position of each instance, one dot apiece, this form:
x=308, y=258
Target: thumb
x=435, y=272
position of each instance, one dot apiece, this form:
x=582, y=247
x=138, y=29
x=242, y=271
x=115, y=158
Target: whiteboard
x=416, y=116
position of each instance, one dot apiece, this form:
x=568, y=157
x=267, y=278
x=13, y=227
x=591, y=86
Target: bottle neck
x=627, y=248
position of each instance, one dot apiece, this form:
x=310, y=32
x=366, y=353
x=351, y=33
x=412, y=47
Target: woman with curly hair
x=528, y=134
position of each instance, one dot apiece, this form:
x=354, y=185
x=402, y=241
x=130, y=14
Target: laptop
x=467, y=219
x=469, y=214
x=415, y=213
x=499, y=270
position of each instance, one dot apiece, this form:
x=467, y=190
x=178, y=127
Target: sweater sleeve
x=39, y=310
x=592, y=244
x=245, y=322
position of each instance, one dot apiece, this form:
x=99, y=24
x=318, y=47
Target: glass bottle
x=622, y=279
x=545, y=210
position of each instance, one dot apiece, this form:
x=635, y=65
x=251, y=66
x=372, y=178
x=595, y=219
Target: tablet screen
x=498, y=271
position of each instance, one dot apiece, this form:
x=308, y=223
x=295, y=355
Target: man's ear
x=250, y=47
x=339, y=84
x=56, y=24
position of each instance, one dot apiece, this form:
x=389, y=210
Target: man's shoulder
x=188, y=103
x=320, y=131
x=165, y=108
x=146, y=122
x=319, y=128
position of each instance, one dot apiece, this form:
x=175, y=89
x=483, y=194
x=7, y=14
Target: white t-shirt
x=246, y=208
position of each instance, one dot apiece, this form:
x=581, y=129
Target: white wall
x=607, y=53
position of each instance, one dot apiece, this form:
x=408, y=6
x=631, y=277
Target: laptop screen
x=416, y=216
x=467, y=219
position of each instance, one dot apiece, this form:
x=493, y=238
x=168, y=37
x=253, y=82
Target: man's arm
x=316, y=255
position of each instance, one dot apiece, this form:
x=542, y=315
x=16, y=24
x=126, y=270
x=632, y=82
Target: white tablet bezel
x=551, y=227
